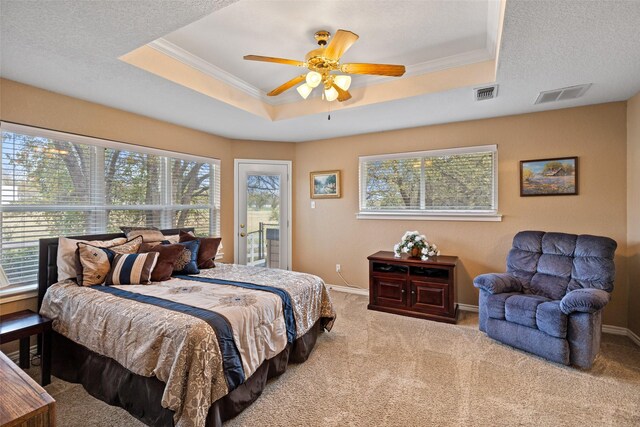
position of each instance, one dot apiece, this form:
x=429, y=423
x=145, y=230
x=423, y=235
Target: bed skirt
x=107, y=380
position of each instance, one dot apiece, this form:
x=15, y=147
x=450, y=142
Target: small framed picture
x=325, y=184
x=549, y=177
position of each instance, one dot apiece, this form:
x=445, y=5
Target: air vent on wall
x=487, y=92
x=562, y=94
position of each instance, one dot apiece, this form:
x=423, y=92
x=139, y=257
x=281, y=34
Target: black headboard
x=48, y=256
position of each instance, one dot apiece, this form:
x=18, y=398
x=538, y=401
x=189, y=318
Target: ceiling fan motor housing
x=322, y=37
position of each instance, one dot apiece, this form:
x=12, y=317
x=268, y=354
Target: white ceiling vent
x=484, y=93
x=562, y=94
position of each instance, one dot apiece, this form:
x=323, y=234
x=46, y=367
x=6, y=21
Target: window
x=451, y=183
x=57, y=184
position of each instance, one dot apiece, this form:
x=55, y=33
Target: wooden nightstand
x=22, y=401
x=21, y=326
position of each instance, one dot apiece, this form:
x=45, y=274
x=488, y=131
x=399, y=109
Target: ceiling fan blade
x=339, y=44
x=288, y=85
x=276, y=60
x=377, y=69
x=343, y=95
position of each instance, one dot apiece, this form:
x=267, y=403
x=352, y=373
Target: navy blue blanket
x=289, y=318
x=231, y=360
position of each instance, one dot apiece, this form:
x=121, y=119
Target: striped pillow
x=132, y=269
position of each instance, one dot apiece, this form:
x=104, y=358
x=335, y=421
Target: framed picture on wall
x=549, y=177
x=325, y=184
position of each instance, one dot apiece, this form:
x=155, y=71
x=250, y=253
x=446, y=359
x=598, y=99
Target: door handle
x=243, y=234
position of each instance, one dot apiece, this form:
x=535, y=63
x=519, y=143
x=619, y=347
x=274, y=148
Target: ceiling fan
x=323, y=61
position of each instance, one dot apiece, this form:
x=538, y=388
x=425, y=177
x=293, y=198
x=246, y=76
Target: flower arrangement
x=416, y=245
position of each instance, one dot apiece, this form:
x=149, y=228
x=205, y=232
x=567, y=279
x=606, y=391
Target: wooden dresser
x=412, y=287
x=22, y=401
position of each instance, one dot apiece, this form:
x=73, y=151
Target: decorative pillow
x=167, y=257
x=187, y=262
x=149, y=234
x=207, y=251
x=173, y=238
x=67, y=249
x=96, y=261
x=131, y=269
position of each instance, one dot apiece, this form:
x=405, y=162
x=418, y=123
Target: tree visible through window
x=56, y=186
x=457, y=180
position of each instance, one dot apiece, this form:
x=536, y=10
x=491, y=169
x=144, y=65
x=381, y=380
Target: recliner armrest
x=586, y=300
x=498, y=283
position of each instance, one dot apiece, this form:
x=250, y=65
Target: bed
x=191, y=351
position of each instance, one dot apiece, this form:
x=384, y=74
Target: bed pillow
x=149, y=234
x=187, y=262
x=131, y=269
x=96, y=261
x=207, y=251
x=67, y=254
x=167, y=257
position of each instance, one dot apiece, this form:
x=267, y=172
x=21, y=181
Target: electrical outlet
x=313, y=204
x=338, y=268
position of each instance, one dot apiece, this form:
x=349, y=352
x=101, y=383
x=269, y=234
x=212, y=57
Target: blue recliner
x=550, y=301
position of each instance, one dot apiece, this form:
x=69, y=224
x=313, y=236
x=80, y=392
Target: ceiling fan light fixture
x=343, y=82
x=324, y=61
x=304, y=90
x=313, y=78
x=331, y=94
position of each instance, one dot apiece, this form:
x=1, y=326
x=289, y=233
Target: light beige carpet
x=378, y=369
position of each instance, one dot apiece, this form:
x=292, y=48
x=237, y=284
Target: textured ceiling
x=71, y=47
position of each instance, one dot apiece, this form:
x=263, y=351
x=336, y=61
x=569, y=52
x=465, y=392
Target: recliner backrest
x=552, y=264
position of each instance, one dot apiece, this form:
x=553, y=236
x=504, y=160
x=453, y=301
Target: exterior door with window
x=262, y=214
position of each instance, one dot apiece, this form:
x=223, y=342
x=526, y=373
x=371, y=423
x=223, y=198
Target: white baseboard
x=15, y=355
x=633, y=336
x=607, y=329
x=468, y=307
x=615, y=330
x=349, y=290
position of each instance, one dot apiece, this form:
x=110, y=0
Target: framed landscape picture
x=325, y=184
x=549, y=177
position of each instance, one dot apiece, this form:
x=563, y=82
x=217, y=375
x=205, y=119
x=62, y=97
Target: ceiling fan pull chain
x=329, y=111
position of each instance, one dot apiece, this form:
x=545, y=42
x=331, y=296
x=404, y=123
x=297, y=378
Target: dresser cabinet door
x=429, y=297
x=390, y=292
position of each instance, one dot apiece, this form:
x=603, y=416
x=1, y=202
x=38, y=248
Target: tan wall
x=28, y=105
x=633, y=210
x=330, y=233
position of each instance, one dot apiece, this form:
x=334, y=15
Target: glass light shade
x=343, y=82
x=331, y=94
x=313, y=78
x=304, y=90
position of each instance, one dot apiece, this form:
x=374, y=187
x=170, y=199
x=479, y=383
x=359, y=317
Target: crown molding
x=493, y=26
x=188, y=58
x=176, y=52
x=439, y=64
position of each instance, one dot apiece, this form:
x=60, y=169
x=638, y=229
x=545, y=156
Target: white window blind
x=459, y=181
x=57, y=184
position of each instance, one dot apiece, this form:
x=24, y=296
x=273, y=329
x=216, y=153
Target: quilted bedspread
x=188, y=331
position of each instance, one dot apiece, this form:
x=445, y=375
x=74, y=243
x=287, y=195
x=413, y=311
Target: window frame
x=428, y=214
x=16, y=292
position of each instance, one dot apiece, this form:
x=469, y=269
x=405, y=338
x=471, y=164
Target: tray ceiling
x=72, y=47
x=398, y=32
